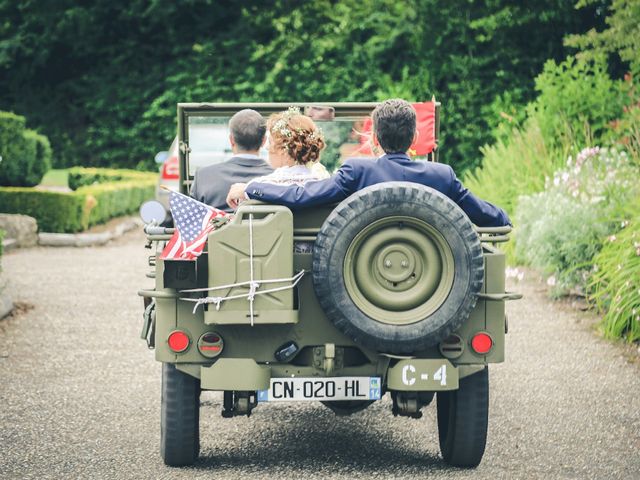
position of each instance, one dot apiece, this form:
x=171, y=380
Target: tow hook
x=238, y=403
x=408, y=404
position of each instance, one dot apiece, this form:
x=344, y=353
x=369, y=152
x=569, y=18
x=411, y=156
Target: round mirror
x=161, y=157
x=153, y=211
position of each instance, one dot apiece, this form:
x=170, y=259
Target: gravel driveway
x=80, y=394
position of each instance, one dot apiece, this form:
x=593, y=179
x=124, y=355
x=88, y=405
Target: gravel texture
x=80, y=394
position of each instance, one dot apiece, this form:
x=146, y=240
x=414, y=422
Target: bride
x=295, y=143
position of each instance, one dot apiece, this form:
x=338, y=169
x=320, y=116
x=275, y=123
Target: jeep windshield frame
x=189, y=111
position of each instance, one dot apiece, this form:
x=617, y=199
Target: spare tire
x=397, y=267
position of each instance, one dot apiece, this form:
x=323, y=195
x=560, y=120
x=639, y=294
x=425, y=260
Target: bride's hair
x=297, y=135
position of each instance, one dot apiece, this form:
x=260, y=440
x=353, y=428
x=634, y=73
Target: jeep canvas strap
x=253, y=284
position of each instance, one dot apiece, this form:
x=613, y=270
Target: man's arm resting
x=311, y=194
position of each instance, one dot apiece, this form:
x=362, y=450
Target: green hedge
x=36, y=170
x=11, y=144
x=82, y=177
x=26, y=155
x=54, y=211
x=88, y=205
x=108, y=200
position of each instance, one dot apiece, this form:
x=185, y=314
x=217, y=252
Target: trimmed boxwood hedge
x=108, y=200
x=42, y=164
x=26, y=155
x=54, y=211
x=88, y=205
x=82, y=177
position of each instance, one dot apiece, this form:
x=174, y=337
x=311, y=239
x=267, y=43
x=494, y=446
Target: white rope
x=218, y=300
x=254, y=285
x=240, y=284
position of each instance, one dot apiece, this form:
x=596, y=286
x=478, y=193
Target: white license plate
x=328, y=388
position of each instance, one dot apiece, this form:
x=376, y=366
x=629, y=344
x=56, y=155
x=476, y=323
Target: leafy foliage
x=615, y=283
x=514, y=166
x=101, y=80
x=621, y=37
x=577, y=101
x=576, y=106
x=25, y=155
x=562, y=228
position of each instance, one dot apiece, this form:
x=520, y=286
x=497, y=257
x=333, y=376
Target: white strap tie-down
x=253, y=284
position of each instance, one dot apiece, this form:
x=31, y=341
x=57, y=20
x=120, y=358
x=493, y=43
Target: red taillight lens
x=210, y=348
x=481, y=343
x=178, y=341
x=171, y=169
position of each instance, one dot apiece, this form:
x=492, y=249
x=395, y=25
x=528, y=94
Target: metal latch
x=499, y=297
x=148, y=332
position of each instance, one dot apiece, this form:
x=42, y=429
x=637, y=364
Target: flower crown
x=282, y=127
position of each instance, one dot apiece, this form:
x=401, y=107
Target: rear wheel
x=180, y=417
x=463, y=417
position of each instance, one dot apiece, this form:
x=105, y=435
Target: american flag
x=193, y=222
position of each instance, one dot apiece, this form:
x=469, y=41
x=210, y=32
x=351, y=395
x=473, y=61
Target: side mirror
x=161, y=157
x=153, y=211
x=320, y=113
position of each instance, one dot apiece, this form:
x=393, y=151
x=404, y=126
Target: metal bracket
x=184, y=148
x=329, y=357
x=148, y=332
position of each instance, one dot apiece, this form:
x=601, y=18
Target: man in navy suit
x=394, y=129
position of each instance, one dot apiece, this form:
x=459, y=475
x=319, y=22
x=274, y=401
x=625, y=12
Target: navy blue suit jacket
x=358, y=173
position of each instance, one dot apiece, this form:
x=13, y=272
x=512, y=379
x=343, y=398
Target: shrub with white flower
x=583, y=206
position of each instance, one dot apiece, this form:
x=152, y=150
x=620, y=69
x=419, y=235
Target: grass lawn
x=55, y=178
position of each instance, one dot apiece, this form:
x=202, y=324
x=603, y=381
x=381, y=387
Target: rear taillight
x=481, y=343
x=451, y=347
x=171, y=169
x=210, y=344
x=178, y=341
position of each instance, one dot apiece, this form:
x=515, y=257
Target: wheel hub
x=395, y=263
x=398, y=270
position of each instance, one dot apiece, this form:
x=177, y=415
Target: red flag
x=426, y=125
x=192, y=220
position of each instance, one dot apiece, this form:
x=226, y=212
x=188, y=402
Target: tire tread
x=180, y=417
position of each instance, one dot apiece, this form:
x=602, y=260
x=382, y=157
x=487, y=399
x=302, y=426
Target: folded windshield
x=208, y=141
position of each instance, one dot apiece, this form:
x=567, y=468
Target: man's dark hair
x=394, y=123
x=248, y=128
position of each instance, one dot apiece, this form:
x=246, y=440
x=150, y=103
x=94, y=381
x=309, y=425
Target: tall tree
x=101, y=79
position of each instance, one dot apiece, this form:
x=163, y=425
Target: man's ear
x=374, y=140
x=231, y=140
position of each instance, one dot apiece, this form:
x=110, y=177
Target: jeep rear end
x=253, y=315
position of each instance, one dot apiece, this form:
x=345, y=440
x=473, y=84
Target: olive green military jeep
x=393, y=291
